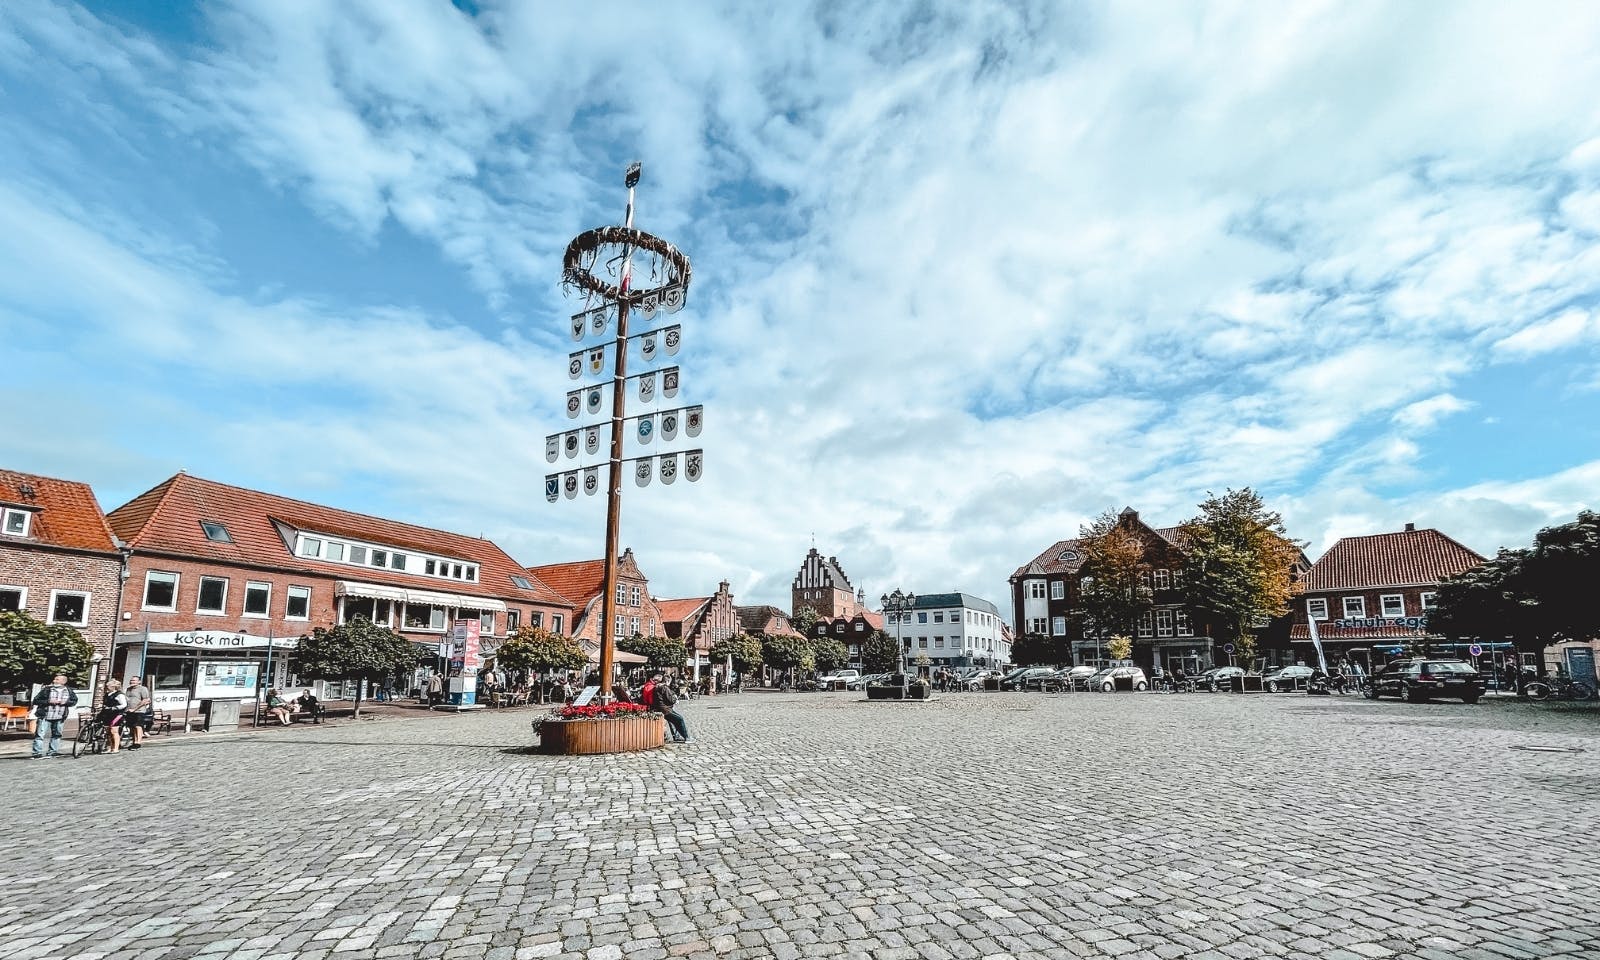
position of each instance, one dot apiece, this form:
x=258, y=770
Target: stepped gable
x=65, y=512
x=261, y=526
x=1408, y=557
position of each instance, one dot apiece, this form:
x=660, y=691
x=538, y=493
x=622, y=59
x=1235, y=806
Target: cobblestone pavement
x=801, y=825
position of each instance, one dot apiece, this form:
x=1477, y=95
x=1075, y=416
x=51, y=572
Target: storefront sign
x=206, y=640
x=1377, y=623
x=226, y=679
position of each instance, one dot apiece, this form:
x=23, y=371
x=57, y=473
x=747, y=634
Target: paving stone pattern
x=818, y=825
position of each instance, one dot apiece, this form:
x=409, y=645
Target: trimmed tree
x=1237, y=563
x=1036, y=650
x=660, y=652
x=787, y=653
x=880, y=653
x=804, y=619
x=356, y=650
x=32, y=651
x=829, y=653
x=538, y=650
x=1120, y=646
x=743, y=649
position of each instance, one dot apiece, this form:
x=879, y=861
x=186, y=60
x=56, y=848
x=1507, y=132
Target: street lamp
x=899, y=604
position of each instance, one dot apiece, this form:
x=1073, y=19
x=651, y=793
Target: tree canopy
x=1237, y=565
x=787, y=652
x=880, y=653
x=661, y=652
x=1040, y=650
x=829, y=653
x=804, y=619
x=537, y=649
x=32, y=651
x=743, y=649
x=356, y=650
x=1113, y=585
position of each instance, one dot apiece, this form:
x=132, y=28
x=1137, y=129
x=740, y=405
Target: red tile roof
x=678, y=611
x=1410, y=557
x=65, y=512
x=166, y=519
x=579, y=582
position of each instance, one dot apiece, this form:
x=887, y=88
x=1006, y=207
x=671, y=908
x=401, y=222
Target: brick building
x=851, y=631
x=700, y=622
x=580, y=583
x=59, y=561
x=765, y=621
x=1370, y=595
x=220, y=569
x=822, y=586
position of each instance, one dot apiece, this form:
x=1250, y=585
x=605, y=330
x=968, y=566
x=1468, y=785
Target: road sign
x=1227, y=648
x=1476, y=650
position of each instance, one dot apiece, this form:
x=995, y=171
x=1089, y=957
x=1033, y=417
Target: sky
x=966, y=275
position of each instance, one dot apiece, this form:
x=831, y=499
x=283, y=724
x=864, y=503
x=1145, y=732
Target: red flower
x=595, y=711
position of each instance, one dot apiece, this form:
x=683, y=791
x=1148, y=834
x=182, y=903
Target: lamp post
x=899, y=604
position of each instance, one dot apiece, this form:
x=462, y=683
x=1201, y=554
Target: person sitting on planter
x=664, y=702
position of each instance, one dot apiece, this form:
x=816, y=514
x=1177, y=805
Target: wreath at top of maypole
x=665, y=265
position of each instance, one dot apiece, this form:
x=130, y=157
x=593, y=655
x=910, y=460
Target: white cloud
x=1424, y=414
x=1562, y=330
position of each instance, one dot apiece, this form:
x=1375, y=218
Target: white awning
x=455, y=600
x=349, y=588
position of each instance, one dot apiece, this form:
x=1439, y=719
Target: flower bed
x=595, y=711
x=601, y=728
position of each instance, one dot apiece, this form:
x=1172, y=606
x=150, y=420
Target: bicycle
x=94, y=736
x=1561, y=689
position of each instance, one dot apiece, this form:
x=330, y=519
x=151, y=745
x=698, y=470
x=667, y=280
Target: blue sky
x=966, y=274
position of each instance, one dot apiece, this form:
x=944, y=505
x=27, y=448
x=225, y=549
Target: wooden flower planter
x=610, y=735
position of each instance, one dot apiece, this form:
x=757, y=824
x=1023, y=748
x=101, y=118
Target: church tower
x=822, y=586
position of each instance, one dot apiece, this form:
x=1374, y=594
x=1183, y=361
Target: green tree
x=356, y=650
x=34, y=652
x=743, y=649
x=1237, y=564
x=829, y=653
x=1120, y=646
x=661, y=652
x=786, y=653
x=804, y=619
x=1038, y=650
x=1114, y=576
x=880, y=653
x=537, y=649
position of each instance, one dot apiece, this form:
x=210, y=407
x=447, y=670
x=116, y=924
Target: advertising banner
x=226, y=679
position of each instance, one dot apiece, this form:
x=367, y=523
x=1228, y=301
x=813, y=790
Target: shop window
x=70, y=607
x=422, y=616
x=169, y=673
x=298, y=606
x=13, y=599
x=160, y=590
x=486, y=621
x=213, y=595
x=380, y=612
x=257, y=598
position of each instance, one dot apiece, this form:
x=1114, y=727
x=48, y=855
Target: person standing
x=664, y=702
x=435, y=689
x=113, y=711
x=51, y=708
x=141, y=711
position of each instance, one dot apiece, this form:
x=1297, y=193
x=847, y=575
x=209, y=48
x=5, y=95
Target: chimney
x=1411, y=528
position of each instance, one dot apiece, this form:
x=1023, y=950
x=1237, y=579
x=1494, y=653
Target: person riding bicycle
x=112, y=712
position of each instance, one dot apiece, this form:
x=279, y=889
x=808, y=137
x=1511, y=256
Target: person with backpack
x=663, y=701
x=51, y=707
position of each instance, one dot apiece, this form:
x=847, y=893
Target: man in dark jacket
x=664, y=701
x=51, y=708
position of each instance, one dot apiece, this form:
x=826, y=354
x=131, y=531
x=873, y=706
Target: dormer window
x=521, y=582
x=215, y=532
x=15, y=523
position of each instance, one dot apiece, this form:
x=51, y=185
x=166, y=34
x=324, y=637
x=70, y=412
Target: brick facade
x=821, y=585
x=40, y=570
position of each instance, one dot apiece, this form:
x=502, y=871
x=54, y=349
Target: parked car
x=1217, y=678
x=1119, y=678
x=1071, y=678
x=1020, y=679
x=1423, y=678
x=870, y=680
x=839, y=679
x=973, y=679
x=1287, y=678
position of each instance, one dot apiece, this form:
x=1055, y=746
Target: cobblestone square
x=819, y=825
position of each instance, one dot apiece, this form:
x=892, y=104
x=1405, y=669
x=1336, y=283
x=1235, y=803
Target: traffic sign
x=1476, y=650
x=1227, y=648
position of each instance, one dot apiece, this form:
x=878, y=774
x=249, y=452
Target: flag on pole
x=641, y=471
x=574, y=404
x=647, y=388
x=591, y=441
x=578, y=323
x=571, y=442
x=693, y=463
x=669, y=425
x=669, y=382
x=673, y=334
x=569, y=483
x=691, y=420
x=669, y=468
x=672, y=298
x=599, y=318
x=552, y=487
x=1316, y=641
x=591, y=480
x=575, y=365
x=647, y=428
x=597, y=359
x=552, y=447
x=647, y=346
x=648, y=304
x=593, y=400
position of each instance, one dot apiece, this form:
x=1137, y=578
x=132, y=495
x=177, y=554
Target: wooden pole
x=608, y=601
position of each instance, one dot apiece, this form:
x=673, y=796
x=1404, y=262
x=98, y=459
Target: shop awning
x=372, y=591
x=456, y=600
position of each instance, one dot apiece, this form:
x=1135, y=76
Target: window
x=514, y=620
x=1058, y=590
x=380, y=558
x=1163, y=580
x=13, y=599
x=521, y=582
x=486, y=621
x=633, y=596
x=455, y=571
x=160, y=590
x=423, y=616
x=257, y=598
x=922, y=617
x=1146, y=625
x=16, y=522
x=216, y=532
x=1163, y=623
x=622, y=594
x=1058, y=626
x=1144, y=579
x=556, y=622
x=619, y=626
x=1177, y=579
x=334, y=551
x=298, y=606
x=397, y=561
x=1317, y=608
x=1427, y=602
x=1035, y=589
x=1184, y=629
x=428, y=567
x=358, y=554
x=938, y=616
x=1393, y=604
x=839, y=627
x=922, y=643
x=70, y=607
x=938, y=642
x=633, y=626
x=213, y=595
x=310, y=547
x=472, y=574
x=860, y=626
x=1355, y=608
x=1036, y=625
